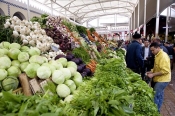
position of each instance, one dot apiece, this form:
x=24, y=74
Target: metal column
x=167, y=20
x=97, y=22
x=51, y=7
x=115, y=19
x=87, y=24
x=144, y=34
x=134, y=20
x=157, y=19
x=138, y=25
x=129, y=26
x=28, y=10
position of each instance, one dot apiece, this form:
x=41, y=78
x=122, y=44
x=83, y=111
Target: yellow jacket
x=162, y=64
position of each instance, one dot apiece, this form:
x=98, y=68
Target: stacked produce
x=16, y=59
x=114, y=91
x=58, y=32
x=47, y=57
x=81, y=65
x=30, y=33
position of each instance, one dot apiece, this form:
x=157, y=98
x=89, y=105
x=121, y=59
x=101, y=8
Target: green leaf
x=49, y=114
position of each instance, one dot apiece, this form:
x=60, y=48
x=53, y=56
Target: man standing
x=171, y=53
x=160, y=74
x=134, y=59
x=146, y=55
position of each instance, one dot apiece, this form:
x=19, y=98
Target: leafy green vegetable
x=92, y=30
x=82, y=53
x=81, y=29
x=36, y=105
x=6, y=34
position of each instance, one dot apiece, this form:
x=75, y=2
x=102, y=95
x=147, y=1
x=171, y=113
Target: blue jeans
x=159, y=95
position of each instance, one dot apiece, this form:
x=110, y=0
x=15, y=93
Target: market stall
x=50, y=66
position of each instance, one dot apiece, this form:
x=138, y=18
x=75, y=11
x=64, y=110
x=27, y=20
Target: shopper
x=171, y=52
x=147, y=63
x=160, y=74
x=134, y=59
x=161, y=45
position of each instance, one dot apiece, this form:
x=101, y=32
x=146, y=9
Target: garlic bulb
x=12, y=26
x=6, y=26
x=17, y=28
x=34, y=37
x=22, y=31
x=43, y=32
x=28, y=38
x=15, y=18
x=31, y=33
x=15, y=34
x=22, y=36
x=18, y=22
x=25, y=42
x=32, y=43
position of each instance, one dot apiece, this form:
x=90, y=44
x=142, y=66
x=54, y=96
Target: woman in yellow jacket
x=160, y=74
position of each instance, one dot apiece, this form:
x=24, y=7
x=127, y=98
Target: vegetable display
x=58, y=57
x=30, y=33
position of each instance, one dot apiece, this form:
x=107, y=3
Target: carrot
x=25, y=84
x=89, y=36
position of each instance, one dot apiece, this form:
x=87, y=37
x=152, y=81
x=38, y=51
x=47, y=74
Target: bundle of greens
x=36, y=105
x=6, y=34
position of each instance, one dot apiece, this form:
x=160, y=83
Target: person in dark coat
x=147, y=63
x=134, y=58
x=171, y=53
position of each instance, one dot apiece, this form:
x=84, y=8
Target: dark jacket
x=143, y=52
x=164, y=48
x=170, y=50
x=134, y=58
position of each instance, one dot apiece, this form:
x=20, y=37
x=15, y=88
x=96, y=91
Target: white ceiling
x=87, y=10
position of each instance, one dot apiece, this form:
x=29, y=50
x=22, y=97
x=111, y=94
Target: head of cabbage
x=5, y=62
x=31, y=70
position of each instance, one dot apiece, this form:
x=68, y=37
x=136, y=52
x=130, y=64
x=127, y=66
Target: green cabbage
x=23, y=57
x=5, y=62
x=72, y=70
x=52, y=68
x=37, y=59
x=2, y=53
x=63, y=61
x=63, y=90
x=13, y=53
x=24, y=49
x=71, y=85
x=14, y=45
x=13, y=71
x=3, y=74
x=10, y=83
x=4, y=45
x=72, y=64
x=31, y=70
x=58, y=77
x=66, y=72
x=43, y=72
x=57, y=65
x=16, y=63
x=34, y=51
x=78, y=79
x=23, y=65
